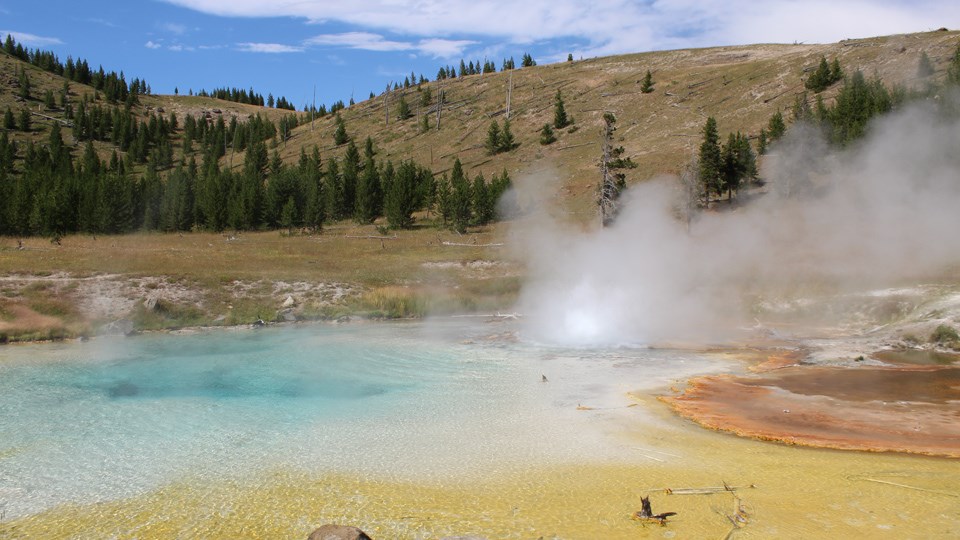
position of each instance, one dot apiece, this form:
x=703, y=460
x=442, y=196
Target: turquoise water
x=111, y=418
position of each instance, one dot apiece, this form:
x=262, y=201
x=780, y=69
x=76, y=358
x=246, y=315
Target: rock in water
x=338, y=532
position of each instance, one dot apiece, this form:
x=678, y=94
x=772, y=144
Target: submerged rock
x=338, y=532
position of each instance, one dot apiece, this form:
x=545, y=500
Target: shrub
x=944, y=334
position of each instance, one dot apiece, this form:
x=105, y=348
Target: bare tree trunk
x=606, y=199
x=509, y=93
x=386, y=105
x=440, y=98
x=692, y=194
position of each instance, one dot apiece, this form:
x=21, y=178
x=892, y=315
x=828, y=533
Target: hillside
x=740, y=86
x=49, y=290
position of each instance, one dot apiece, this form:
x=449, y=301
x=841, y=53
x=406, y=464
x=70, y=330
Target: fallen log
x=464, y=244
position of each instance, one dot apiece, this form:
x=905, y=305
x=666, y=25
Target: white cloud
x=103, y=22
x=444, y=48
x=607, y=26
x=359, y=40
x=174, y=28
x=152, y=45
x=30, y=40
x=270, y=48
x=367, y=41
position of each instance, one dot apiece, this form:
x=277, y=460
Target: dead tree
x=612, y=182
x=440, y=97
x=509, y=94
x=386, y=105
x=692, y=194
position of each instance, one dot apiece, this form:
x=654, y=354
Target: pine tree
x=315, y=209
x=8, y=121
x=442, y=200
x=711, y=159
x=647, y=85
x=499, y=187
x=546, y=135
x=507, y=141
x=460, y=199
x=483, y=202
x=350, y=172
x=776, y=127
x=836, y=72
x=762, y=142
x=288, y=214
x=369, y=201
x=24, y=120
x=403, y=109
x=340, y=134
x=24, y=81
x=560, y=119
x=400, y=195
x=492, y=143
x=857, y=102
x=569, y=57
x=739, y=163
x=368, y=150
x=819, y=79
x=336, y=208
x=527, y=61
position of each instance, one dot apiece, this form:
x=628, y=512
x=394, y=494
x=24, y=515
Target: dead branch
x=701, y=491
x=373, y=237
x=462, y=244
x=701, y=83
x=576, y=145
x=886, y=482
x=62, y=122
x=646, y=513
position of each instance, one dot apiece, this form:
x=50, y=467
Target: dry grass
x=237, y=278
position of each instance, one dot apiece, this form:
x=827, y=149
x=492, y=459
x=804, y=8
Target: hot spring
x=408, y=430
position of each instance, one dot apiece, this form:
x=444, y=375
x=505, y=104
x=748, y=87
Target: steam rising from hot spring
x=886, y=210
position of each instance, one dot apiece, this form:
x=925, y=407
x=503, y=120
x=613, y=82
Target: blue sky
x=353, y=47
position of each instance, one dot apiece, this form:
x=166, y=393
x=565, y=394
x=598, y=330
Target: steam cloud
x=884, y=211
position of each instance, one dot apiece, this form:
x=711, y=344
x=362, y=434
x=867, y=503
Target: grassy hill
x=208, y=278
x=740, y=86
